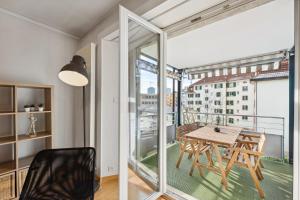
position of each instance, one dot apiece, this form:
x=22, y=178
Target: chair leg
x=208, y=156
x=190, y=156
x=219, y=159
x=259, y=173
x=196, y=158
x=232, y=160
x=181, y=155
x=254, y=177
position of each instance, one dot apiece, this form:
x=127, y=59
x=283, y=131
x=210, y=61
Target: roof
x=216, y=79
x=259, y=76
x=272, y=75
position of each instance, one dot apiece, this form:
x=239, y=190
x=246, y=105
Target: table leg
x=219, y=159
x=182, y=149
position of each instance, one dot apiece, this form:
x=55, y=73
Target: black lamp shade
x=74, y=73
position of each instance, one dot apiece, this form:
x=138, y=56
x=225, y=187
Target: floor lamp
x=75, y=74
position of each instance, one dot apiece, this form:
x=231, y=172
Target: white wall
x=109, y=108
x=273, y=100
x=33, y=54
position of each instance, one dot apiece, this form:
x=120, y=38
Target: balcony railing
x=276, y=145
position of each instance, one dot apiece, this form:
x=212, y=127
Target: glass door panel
x=143, y=60
x=141, y=114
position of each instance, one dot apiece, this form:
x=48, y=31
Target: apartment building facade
x=230, y=97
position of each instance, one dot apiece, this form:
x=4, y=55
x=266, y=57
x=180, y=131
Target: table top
x=226, y=136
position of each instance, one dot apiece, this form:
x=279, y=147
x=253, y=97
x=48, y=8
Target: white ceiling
x=75, y=17
x=263, y=29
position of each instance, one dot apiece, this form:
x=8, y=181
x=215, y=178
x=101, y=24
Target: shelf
x=7, y=140
x=25, y=162
x=7, y=167
x=34, y=112
x=17, y=148
x=39, y=135
x=7, y=113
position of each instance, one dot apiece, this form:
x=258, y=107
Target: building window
x=245, y=98
x=197, y=95
x=218, y=111
x=218, y=94
x=206, y=91
x=217, y=102
x=218, y=85
x=191, y=102
x=190, y=95
x=206, y=106
x=229, y=94
x=245, y=107
x=231, y=85
x=198, y=109
x=198, y=116
x=206, y=98
x=198, y=87
x=198, y=102
x=230, y=120
x=229, y=103
x=244, y=117
x=229, y=111
x=245, y=88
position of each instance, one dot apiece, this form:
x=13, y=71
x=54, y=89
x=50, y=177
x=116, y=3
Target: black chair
x=61, y=174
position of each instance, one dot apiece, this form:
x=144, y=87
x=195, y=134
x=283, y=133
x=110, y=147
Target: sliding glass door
x=142, y=132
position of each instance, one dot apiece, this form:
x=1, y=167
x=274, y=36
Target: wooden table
x=207, y=135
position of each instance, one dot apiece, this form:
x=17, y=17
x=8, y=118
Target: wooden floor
x=138, y=190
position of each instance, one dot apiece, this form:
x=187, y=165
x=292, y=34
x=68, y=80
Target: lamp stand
x=96, y=182
x=84, y=121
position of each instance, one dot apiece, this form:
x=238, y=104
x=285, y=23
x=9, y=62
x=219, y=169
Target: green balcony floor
x=277, y=183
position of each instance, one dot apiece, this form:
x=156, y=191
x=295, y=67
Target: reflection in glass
x=143, y=110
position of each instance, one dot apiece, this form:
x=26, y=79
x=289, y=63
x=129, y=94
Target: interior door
x=142, y=116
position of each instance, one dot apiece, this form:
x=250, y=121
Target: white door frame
x=124, y=16
x=296, y=195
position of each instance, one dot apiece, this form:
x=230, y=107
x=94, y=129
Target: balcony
x=277, y=183
x=278, y=174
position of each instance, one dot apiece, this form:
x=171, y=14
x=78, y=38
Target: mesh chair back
x=61, y=174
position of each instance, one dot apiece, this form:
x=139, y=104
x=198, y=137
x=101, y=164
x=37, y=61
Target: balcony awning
x=271, y=59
